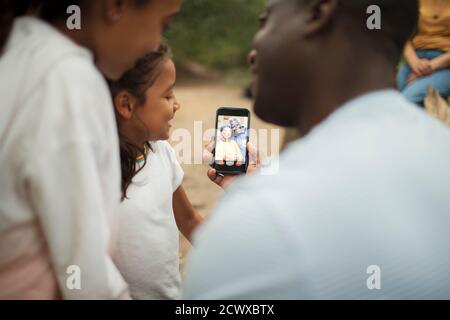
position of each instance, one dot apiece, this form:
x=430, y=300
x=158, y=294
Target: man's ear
x=321, y=13
x=125, y=104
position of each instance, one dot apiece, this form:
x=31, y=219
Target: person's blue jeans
x=417, y=91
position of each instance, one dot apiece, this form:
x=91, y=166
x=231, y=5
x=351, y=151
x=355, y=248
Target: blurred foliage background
x=216, y=34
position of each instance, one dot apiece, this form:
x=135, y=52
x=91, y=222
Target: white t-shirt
x=361, y=202
x=148, y=242
x=59, y=169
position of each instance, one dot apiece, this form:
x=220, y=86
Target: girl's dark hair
x=48, y=10
x=136, y=81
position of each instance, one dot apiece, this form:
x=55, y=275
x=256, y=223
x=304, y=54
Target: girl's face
x=128, y=32
x=226, y=133
x=153, y=118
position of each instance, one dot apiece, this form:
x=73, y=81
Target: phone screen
x=232, y=136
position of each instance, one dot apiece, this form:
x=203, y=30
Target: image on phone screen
x=231, y=140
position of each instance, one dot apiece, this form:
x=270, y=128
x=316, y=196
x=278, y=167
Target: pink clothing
x=59, y=169
x=29, y=275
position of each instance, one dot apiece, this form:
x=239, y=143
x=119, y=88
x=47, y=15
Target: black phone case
x=217, y=168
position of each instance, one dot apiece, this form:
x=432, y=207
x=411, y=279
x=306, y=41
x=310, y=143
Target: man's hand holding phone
x=225, y=181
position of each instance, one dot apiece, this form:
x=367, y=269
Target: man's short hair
x=399, y=19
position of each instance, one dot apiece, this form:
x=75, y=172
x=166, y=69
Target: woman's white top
x=59, y=169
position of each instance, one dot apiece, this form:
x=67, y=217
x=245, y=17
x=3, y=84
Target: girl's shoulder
x=163, y=148
x=166, y=156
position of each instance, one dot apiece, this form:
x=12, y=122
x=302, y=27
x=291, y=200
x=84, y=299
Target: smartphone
x=232, y=135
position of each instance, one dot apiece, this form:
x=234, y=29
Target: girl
x=227, y=149
x=155, y=207
x=59, y=164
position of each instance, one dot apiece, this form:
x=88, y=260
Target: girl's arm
x=186, y=217
x=441, y=62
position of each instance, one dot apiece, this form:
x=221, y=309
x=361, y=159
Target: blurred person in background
x=427, y=55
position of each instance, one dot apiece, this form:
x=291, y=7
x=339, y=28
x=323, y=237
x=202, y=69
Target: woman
x=427, y=55
x=59, y=157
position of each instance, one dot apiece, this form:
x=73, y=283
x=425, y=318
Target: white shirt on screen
x=366, y=193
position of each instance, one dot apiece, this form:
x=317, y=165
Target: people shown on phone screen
x=231, y=145
x=227, y=149
x=240, y=134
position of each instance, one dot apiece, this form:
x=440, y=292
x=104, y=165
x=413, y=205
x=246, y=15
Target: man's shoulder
x=353, y=152
x=372, y=131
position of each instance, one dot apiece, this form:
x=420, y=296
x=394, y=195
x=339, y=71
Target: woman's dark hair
x=48, y=10
x=136, y=81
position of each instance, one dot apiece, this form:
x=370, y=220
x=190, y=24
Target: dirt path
x=199, y=103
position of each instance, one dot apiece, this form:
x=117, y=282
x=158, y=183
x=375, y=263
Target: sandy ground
x=199, y=103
